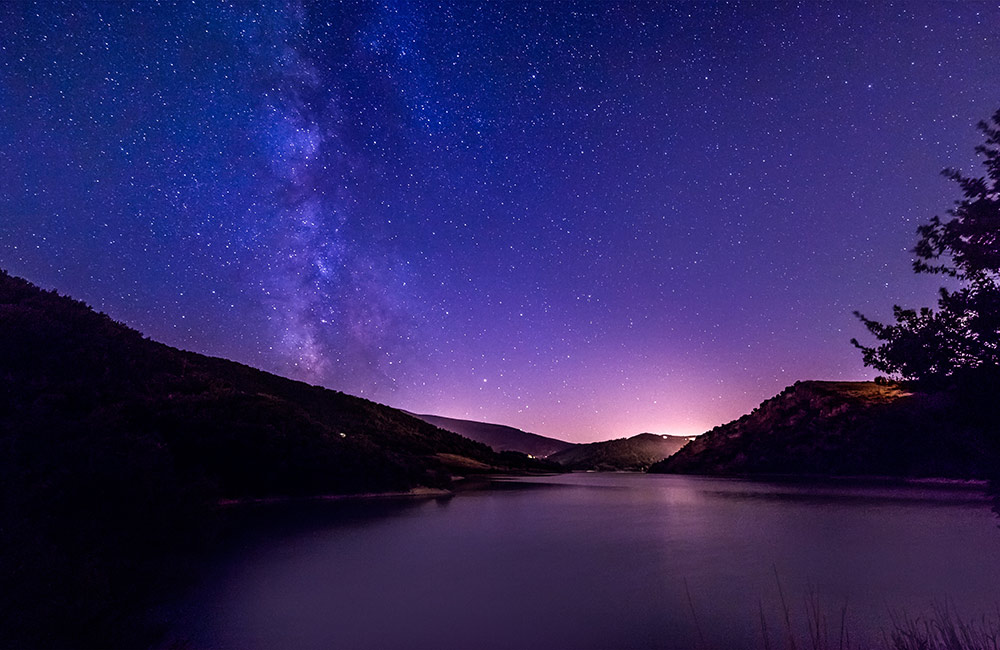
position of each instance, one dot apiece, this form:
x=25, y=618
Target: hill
x=844, y=429
x=114, y=450
x=624, y=454
x=499, y=437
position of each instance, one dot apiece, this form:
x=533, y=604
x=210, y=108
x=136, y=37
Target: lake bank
x=415, y=493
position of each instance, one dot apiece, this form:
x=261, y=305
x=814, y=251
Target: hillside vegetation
x=115, y=448
x=846, y=429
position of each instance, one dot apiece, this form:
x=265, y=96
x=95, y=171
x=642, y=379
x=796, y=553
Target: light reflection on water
x=593, y=561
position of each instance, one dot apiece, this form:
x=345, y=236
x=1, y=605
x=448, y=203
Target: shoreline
x=415, y=493
x=479, y=482
x=459, y=484
x=928, y=481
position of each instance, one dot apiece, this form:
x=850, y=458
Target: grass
x=943, y=628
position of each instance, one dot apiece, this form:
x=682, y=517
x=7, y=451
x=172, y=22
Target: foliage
x=846, y=429
x=961, y=338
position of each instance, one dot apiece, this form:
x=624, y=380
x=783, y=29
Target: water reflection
x=590, y=561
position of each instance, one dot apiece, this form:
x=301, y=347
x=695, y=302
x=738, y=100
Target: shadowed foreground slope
x=114, y=448
x=845, y=429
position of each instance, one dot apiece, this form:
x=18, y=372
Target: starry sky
x=583, y=219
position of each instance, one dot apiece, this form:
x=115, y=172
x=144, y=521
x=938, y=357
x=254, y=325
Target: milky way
x=585, y=219
x=333, y=298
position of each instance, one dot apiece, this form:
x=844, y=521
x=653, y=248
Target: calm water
x=593, y=561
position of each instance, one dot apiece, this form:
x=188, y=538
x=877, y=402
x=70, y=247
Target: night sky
x=584, y=219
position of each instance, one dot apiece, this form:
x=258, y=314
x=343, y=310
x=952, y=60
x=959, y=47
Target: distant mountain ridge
x=499, y=436
x=637, y=453
x=844, y=429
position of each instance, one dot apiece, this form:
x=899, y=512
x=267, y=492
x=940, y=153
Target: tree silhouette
x=961, y=338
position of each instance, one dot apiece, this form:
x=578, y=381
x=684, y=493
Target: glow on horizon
x=574, y=424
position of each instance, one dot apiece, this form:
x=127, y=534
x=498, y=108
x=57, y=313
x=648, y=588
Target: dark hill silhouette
x=500, y=437
x=624, y=454
x=115, y=448
x=634, y=454
x=846, y=429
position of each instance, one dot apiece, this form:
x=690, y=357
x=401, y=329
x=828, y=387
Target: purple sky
x=584, y=219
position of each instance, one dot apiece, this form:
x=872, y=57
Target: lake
x=593, y=561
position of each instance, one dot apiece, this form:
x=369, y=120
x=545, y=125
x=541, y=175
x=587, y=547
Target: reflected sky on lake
x=595, y=561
